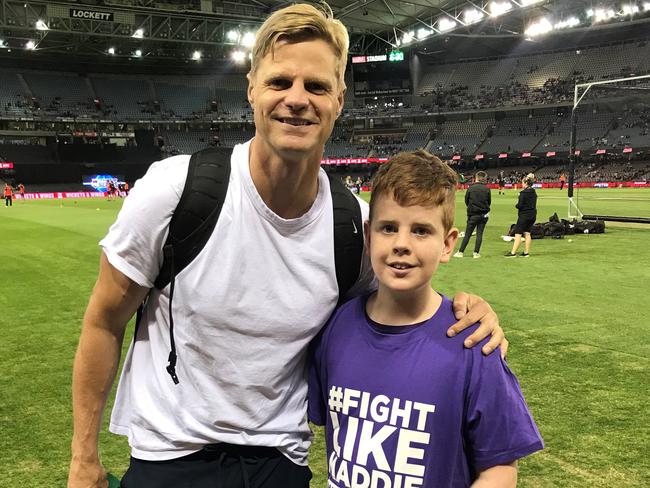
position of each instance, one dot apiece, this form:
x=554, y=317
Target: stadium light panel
x=248, y=39
x=446, y=24
x=630, y=9
x=424, y=33
x=526, y=3
x=602, y=15
x=408, y=37
x=30, y=45
x=41, y=26
x=646, y=6
x=472, y=15
x=196, y=55
x=238, y=56
x=567, y=23
x=137, y=53
x=232, y=35
x=538, y=28
x=499, y=8
x=138, y=34
x=111, y=51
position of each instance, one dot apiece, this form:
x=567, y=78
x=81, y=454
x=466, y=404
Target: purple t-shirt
x=409, y=407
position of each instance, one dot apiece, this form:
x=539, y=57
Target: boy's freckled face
x=406, y=244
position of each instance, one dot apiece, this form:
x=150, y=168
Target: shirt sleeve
x=498, y=426
x=316, y=408
x=134, y=242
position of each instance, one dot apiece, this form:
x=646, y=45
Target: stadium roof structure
x=148, y=33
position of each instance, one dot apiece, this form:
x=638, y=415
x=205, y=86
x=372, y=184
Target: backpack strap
x=191, y=225
x=197, y=211
x=348, y=236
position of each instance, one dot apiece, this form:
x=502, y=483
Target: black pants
x=219, y=466
x=8, y=202
x=474, y=222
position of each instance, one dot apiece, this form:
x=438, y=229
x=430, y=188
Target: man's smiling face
x=296, y=97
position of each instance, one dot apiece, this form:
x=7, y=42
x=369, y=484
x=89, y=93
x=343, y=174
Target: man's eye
x=316, y=88
x=279, y=83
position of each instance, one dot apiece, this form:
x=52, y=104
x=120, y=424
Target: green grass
x=576, y=315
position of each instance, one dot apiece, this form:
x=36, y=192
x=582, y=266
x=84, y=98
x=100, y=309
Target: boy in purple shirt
x=404, y=406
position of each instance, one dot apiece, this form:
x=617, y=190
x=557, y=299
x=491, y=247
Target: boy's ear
x=366, y=237
x=449, y=244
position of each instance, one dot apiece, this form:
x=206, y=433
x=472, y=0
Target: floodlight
x=446, y=24
x=2, y=43
x=526, y=3
x=41, y=26
x=248, y=39
x=646, y=6
x=30, y=45
x=196, y=55
x=138, y=34
x=567, y=23
x=238, y=56
x=408, y=37
x=232, y=35
x=630, y=9
x=473, y=15
x=137, y=53
x=541, y=26
x=111, y=51
x=499, y=8
x=601, y=14
x=424, y=33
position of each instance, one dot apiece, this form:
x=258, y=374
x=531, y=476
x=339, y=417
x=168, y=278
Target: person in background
x=527, y=214
x=9, y=194
x=562, y=180
x=478, y=200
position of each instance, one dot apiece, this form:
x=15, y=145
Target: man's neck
x=288, y=186
x=394, y=308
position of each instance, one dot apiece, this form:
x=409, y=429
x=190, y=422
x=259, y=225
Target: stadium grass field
x=576, y=314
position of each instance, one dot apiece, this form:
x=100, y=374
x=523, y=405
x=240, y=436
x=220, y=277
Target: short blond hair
x=298, y=23
x=417, y=178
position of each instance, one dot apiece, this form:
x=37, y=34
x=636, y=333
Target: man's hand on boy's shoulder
x=470, y=309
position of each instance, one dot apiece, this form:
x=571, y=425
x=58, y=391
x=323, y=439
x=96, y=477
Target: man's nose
x=297, y=97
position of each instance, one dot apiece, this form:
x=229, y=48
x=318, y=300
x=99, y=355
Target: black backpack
x=197, y=213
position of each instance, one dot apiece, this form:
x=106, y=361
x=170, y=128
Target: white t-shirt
x=244, y=311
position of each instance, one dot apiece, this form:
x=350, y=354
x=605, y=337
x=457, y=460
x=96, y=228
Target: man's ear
x=340, y=100
x=366, y=236
x=449, y=244
x=249, y=91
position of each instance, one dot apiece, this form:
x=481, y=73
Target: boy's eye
x=421, y=231
x=388, y=228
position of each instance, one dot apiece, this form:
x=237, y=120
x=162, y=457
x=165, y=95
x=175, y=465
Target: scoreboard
x=383, y=74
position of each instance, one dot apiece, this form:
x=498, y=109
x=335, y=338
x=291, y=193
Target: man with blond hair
x=246, y=307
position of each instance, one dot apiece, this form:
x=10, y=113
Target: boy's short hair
x=298, y=23
x=417, y=178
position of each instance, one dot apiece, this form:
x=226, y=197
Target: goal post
x=617, y=89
